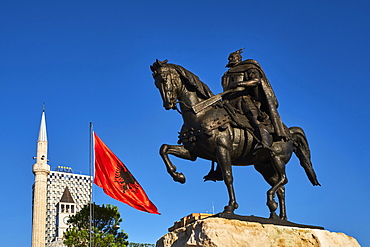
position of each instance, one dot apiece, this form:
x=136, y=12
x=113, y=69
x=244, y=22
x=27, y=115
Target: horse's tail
x=302, y=151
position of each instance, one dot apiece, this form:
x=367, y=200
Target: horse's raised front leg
x=180, y=152
x=224, y=160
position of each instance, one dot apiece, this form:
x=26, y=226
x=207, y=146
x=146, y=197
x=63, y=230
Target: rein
x=174, y=82
x=186, y=105
x=177, y=109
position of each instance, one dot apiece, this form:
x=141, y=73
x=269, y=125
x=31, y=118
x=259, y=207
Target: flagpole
x=91, y=180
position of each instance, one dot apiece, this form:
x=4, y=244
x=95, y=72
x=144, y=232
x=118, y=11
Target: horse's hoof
x=228, y=210
x=284, y=218
x=274, y=216
x=180, y=178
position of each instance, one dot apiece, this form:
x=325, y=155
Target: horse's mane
x=191, y=79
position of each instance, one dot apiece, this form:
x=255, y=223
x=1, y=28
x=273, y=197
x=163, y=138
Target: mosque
x=58, y=193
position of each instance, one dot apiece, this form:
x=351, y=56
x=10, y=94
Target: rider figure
x=253, y=98
x=257, y=101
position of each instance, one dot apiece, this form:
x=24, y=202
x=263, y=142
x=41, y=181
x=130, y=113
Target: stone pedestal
x=220, y=232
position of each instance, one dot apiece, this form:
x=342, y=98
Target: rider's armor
x=258, y=102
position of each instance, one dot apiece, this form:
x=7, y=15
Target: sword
x=210, y=101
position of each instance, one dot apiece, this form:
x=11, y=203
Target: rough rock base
x=219, y=232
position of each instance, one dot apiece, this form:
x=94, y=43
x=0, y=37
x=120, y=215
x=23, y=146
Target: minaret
x=41, y=170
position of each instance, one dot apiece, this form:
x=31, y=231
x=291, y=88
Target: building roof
x=66, y=197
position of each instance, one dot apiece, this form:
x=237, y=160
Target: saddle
x=239, y=120
x=188, y=136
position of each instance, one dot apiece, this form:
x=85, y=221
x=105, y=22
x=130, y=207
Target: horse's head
x=167, y=80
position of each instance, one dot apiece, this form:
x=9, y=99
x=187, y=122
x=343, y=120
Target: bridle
x=170, y=81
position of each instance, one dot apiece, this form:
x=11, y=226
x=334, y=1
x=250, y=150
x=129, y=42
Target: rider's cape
x=266, y=96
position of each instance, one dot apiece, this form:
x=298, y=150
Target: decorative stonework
x=219, y=232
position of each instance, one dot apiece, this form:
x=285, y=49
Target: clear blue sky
x=88, y=61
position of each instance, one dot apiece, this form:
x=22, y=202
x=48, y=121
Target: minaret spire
x=41, y=170
x=42, y=132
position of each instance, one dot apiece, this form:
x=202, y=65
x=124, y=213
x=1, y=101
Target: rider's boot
x=265, y=138
x=214, y=175
x=263, y=135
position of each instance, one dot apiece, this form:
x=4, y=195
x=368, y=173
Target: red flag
x=117, y=181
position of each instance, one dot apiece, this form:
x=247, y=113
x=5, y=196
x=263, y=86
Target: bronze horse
x=212, y=134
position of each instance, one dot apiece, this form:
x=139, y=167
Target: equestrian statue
x=240, y=126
